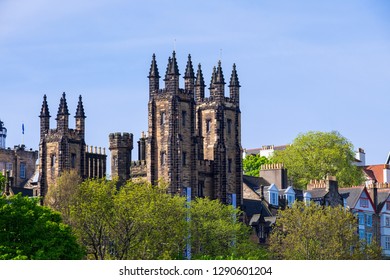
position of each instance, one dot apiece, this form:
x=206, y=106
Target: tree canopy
x=314, y=155
x=2, y=183
x=61, y=196
x=314, y=232
x=252, y=164
x=141, y=221
x=31, y=231
x=217, y=232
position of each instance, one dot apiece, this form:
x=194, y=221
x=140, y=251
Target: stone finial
x=219, y=79
x=80, y=109
x=234, y=78
x=63, y=107
x=153, y=73
x=189, y=69
x=45, y=108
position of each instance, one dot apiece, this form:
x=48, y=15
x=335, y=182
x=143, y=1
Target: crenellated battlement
x=272, y=166
x=120, y=140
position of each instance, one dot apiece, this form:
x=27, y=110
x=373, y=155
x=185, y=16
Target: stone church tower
x=63, y=149
x=194, y=141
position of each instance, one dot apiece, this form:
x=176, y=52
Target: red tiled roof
x=374, y=172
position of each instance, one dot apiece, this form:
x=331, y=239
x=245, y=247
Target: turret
x=120, y=147
x=80, y=118
x=3, y=135
x=172, y=74
x=189, y=76
x=199, y=85
x=234, y=86
x=142, y=147
x=63, y=115
x=45, y=118
x=154, y=77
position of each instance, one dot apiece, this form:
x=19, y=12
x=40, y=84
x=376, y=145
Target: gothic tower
x=219, y=126
x=194, y=141
x=63, y=148
x=170, y=152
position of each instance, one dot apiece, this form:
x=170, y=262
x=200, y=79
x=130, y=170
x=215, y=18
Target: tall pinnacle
x=63, y=107
x=199, y=77
x=189, y=69
x=213, y=77
x=45, y=109
x=173, y=68
x=219, y=79
x=80, y=109
x=153, y=73
x=234, y=78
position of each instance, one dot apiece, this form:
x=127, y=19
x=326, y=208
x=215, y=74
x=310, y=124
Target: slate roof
x=383, y=194
x=254, y=182
x=318, y=192
x=255, y=206
x=352, y=195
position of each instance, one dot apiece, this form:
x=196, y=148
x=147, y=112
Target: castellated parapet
x=121, y=145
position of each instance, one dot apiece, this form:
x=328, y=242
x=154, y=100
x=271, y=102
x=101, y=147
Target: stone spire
x=172, y=74
x=153, y=73
x=154, y=77
x=80, y=118
x=199, y=85
x=63, y=115
x=80, y=109
x=63, y=107
x=217, y=87
x=45, y=109
x=174, y=69
x=189, y=76
x=213, y=78
x=45, y=118
x=234, y=86
x=219, y=79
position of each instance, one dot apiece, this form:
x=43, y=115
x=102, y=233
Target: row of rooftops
x=316, y=191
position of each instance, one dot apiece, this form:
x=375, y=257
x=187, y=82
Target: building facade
x=193, y=141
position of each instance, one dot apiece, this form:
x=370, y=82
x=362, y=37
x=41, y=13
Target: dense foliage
x=315, y=232
x=141, y=221
x=252, y=163
x=314, y=155
x=217, y=233
x=2, y=183
x=31, y=231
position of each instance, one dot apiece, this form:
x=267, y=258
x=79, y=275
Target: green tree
x=252, y=164
x=315, y=232
x=314, y=155
x=31, y=231
x=2, y=184
x=136, y=221
x=217, y=233
x=61, y=196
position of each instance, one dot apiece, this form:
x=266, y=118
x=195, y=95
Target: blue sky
x=302, y=65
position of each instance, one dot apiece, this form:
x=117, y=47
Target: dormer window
x=307, y=198
x=289, y=195
x=274, y=198
x=273, y=195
